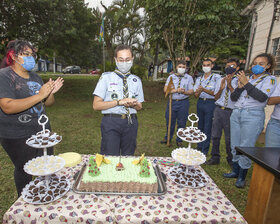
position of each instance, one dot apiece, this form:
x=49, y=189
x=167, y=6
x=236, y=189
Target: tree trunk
x=156, y=62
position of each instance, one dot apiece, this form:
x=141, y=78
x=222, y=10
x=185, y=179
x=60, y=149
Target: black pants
x=221, y=121
x=20, y=153
x=118, y=136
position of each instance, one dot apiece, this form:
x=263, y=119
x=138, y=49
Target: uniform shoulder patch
x=134, y=80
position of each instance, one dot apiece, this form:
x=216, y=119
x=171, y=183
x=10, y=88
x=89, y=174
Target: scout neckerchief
x=180, y=78
x=211, y=75
x=227, y=93
x=125, y=91
x=259, y=81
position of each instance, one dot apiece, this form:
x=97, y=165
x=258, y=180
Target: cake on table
x=104, y=175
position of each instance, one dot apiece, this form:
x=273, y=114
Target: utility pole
x=54, y=62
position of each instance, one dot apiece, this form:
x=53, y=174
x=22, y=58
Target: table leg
x=263, y=198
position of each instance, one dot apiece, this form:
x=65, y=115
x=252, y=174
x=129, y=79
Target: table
x=178, y=205
x=264, y=193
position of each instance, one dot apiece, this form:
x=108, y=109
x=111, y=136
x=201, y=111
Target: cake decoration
x=100, y=158
x=93, y=170
x=145, y=169
x=138, y=161
x=119, y=166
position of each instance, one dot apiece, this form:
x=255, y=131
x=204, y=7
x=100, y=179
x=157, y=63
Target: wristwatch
x=118, y=102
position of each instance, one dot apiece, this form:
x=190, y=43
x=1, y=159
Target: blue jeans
x=205, y=113
x=179, y=112
x=246, y=124
x=272, y=134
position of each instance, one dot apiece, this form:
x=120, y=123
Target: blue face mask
x=257, y=69
x=29, y=63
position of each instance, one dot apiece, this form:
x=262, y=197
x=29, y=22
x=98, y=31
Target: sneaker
x=212, y=162
x=163, y=142
x=179, y=144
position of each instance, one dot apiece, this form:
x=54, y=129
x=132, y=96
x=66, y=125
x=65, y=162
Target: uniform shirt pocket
x=133, y=90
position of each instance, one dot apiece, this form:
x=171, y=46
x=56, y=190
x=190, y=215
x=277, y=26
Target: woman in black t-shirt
x=22, y=98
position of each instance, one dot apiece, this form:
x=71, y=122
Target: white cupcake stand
x=39, y=166
x=188, y=173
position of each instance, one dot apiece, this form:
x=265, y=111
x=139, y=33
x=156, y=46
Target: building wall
x=264, y=12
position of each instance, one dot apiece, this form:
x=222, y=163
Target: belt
x=224, y=108
x=207, y=99
x=180, y=99
x=122, y=116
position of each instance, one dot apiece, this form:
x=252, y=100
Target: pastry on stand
x=187, y=173
x=48, y=186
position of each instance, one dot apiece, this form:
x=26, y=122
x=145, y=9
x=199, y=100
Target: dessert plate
x=38, y=192
x=188, y=156
x=44, y=165
x=190, y=177
x=44, y=139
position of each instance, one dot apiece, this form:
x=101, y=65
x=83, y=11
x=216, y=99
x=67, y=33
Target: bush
x=140, y=71
x=108, y=67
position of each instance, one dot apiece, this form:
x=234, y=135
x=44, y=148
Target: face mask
x=230, y=70
x=257, y=69
x=29, y=62
x=181, y=70
x=206, y=69
x=124, y=67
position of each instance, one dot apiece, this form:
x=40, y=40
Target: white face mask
x=181, y=70
x=125, y=66
x=206, y=69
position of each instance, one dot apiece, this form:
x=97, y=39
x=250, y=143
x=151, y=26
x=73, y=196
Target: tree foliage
x=196, y=27
x=62, y=28
x=123, y=24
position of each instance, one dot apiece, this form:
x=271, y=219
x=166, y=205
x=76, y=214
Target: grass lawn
x=72, y=117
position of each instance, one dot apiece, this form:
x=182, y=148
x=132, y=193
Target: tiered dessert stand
x=47, y=187
x=188, y=174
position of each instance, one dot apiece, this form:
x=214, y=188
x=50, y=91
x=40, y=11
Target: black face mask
x=230, y=70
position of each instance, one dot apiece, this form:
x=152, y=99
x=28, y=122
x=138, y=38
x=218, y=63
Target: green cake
x=105, y=178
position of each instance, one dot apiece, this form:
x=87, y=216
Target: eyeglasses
x=28, y=54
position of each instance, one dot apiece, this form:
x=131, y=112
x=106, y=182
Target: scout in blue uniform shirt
x=119, y=95
x=272, y=132
x=204, y=89
x=224, y=106
x=183, y=84
x=247, y=118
